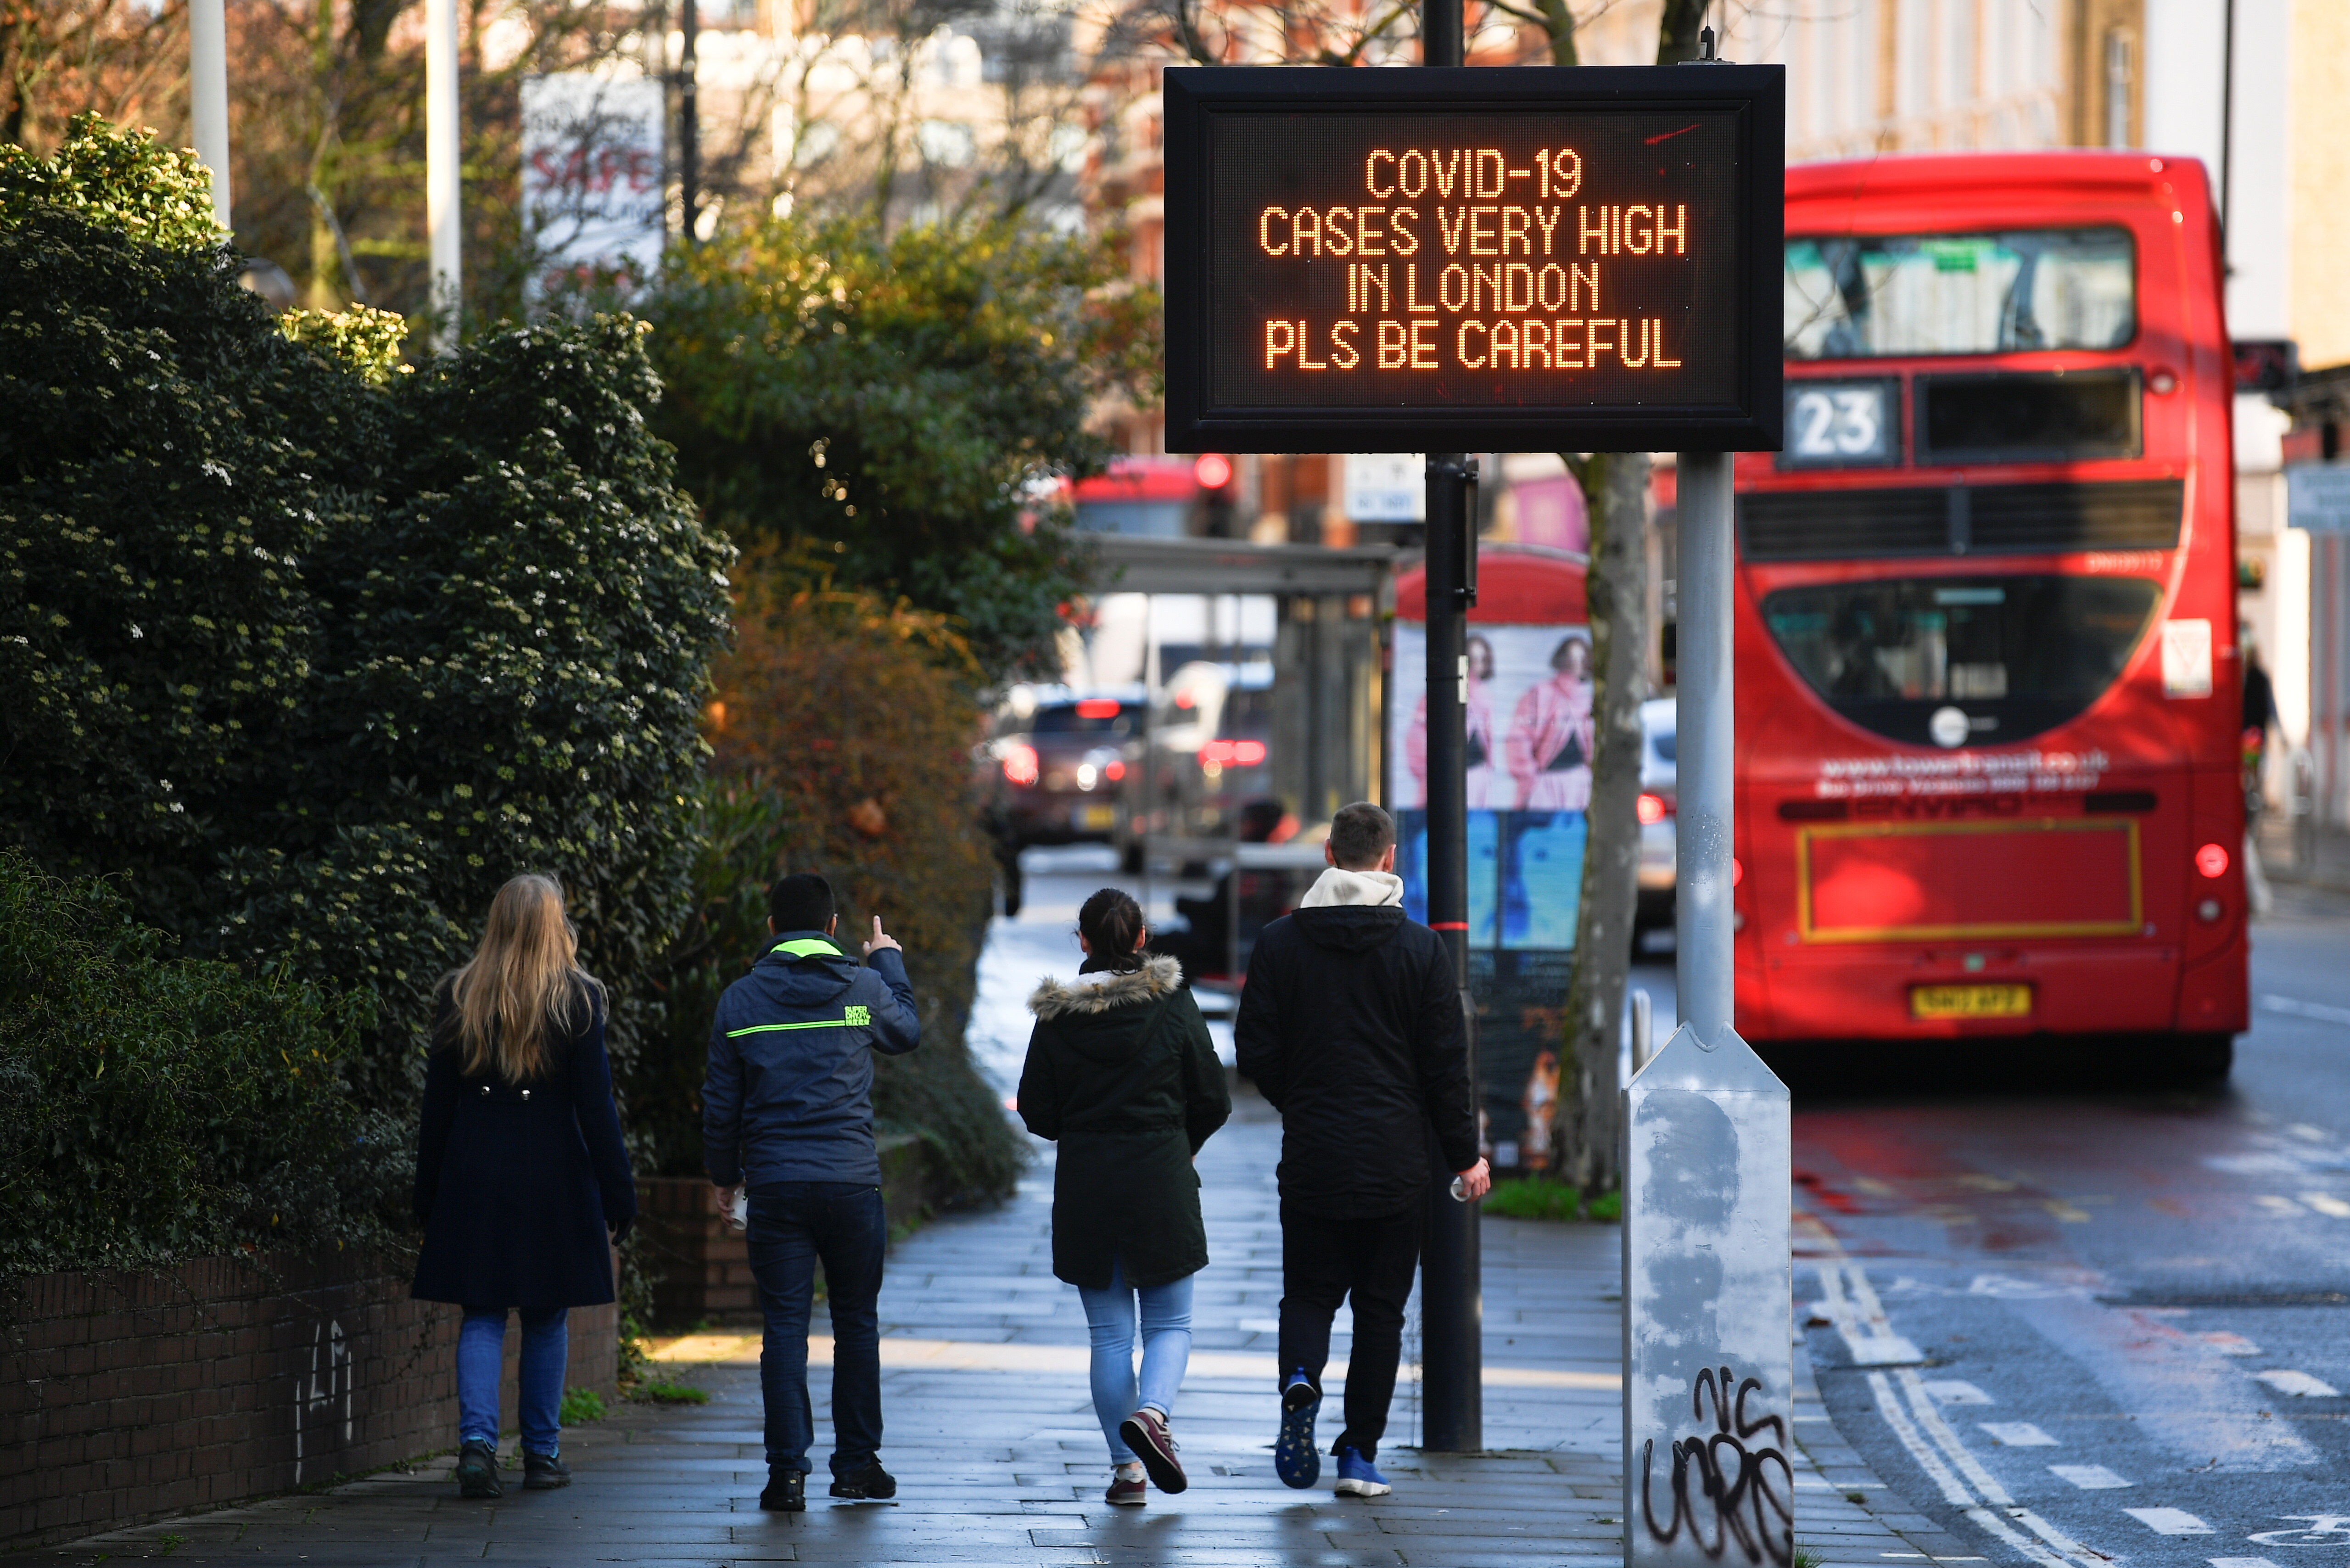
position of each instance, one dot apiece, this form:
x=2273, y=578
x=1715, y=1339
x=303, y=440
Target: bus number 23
x=1838, y=422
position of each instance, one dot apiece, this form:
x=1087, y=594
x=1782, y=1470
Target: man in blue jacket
x=787, y=1111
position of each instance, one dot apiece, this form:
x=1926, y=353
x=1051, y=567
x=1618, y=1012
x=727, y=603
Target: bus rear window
x=1871, y=296
x=2013, y=656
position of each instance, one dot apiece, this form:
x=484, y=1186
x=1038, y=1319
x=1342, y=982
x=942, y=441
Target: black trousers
x=1322, y=1263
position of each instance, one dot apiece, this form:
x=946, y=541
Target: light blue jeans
x=1166, y=1311
x=481, y=1352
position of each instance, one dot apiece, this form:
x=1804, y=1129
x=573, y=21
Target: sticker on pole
x=1407, y=260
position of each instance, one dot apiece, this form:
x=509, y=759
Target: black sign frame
x=1753, y=422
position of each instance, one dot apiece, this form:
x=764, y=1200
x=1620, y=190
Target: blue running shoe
x=1295, y=1459
x=1358, y=1478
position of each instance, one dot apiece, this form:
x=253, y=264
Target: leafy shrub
x=886, y=398
x=1537, y=1198
x=669, y=1394
x=842, y=728
x=319, y=654
x=579, y=1406
x=153, y=1109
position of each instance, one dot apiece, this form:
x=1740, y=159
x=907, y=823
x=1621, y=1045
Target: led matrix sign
x=1397, y=260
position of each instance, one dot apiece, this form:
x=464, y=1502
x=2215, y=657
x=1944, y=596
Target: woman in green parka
x=1122, y=1074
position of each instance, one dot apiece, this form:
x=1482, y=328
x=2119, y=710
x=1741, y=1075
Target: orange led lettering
x=1534, y=338
x=1481, y=238
x=1506, y=345
x=1304, y=227
x=1423, y=355
x=1517, y=226
x=1594, y=345
x=1562, y=347
x=1280, y=338
x=1582, y=279
x=1656, y=331
x=1342, y=348
x=1411, y=291
x=1550, y=287
x=1462, y=345
x=1412, y=172
x=1303, y=362
x=1371, y=278
x=1368, y=240
x=1485, y=288
x=1335, y=225
x=1448, y=170
x=1451, y=232
x=1633, y=231
x=1591, y=231
x=1371, y=174
x=1624, y=334
x=1264, y=231
x=1676, y=231
x=1565, y=173
x=1406, y=242
x=1452, y=287
x=1394, y=348
x=1491, y=172
x=1548, y=218
x=1517, y=287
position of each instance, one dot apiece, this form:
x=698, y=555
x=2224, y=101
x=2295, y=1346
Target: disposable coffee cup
x=1459, y=1189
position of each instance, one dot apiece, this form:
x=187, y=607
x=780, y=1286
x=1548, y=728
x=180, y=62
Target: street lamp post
x=208, y=95
x=442, y=182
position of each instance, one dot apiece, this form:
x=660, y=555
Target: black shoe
x=544, y=1473
x=477, y=1470
x=786, y=1492
x=871, y=1483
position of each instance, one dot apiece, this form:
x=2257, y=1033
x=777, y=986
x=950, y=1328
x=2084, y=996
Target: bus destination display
x=1413, y=266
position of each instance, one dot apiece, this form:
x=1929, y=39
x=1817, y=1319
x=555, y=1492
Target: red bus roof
x=1896, y=187
x=1142, y=479
x=1517, y=585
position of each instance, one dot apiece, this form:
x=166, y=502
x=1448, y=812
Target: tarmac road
x=2077, y=1319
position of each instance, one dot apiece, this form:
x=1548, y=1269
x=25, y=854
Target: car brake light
x=1097, y=707
x=2212, y=860
x=1652, y=810
x=1020, y=763
x=1233, y=754
x=1115, y=772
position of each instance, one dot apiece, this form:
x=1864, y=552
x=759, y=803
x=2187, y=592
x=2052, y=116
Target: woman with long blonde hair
x=522, y=1180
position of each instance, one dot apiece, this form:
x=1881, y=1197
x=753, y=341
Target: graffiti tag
x=1717, y=1473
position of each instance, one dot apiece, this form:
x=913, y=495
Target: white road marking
x=1860, y=1321
x=2325, y=1203
x=2240, y=1563
x=2314, y=1134
x=1953, y=1391
x=2169, y=1520
x=1954, y=1491
x=2300, y=1009
x=2275, y=1205
x=2229, y=1343
x=2089, y=1478
x=2300, y=1385
x=2015, y=1434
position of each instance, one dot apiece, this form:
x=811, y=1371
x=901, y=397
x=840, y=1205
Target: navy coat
x=516, y=1183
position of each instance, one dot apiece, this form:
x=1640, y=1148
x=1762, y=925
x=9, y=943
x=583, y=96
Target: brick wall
x=127, y=1396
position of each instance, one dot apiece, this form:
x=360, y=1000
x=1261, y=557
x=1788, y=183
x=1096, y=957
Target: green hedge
x=154, y=1108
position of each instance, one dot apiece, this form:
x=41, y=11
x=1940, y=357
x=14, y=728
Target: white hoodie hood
x=1340, y=885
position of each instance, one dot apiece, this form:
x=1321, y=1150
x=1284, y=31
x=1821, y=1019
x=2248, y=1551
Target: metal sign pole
x=1701, y=824
x=443, y=178
x=208, y=95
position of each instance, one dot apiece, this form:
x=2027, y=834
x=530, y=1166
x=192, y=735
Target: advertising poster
x=1530, y=740
x=594, y=201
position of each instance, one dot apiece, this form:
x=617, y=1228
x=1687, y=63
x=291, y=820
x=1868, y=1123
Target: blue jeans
x=793, y=1224
x=1166, y=1347
x=481, y=1352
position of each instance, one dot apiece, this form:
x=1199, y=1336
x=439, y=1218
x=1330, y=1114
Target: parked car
x=1659, y=735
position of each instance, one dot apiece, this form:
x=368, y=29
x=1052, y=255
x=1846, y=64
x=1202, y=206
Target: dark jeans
x=793, y=1225
x=1324, y=1261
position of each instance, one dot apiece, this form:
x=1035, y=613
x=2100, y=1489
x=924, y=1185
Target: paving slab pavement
x=991, y=1433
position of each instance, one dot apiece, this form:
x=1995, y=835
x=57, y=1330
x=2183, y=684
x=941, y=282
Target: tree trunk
x=1616, y=492
x=1676, y=31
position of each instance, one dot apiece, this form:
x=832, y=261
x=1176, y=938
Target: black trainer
x=786, y=1492
x=477, y=1470
x=544, y=1473
x=870, y=1484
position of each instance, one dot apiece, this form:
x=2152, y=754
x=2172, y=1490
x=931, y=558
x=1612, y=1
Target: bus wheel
x=2202, y=1058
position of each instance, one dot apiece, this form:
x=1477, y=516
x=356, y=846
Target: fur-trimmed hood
x=1105, y=988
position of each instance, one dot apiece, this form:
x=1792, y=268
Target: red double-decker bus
x=1988, y=679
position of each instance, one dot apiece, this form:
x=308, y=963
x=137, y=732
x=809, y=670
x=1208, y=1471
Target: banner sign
x=1534, y=259
x=595, y=203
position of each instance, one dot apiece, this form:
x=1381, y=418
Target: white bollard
x=1709, y=1367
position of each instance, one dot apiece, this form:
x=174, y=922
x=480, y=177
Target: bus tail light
x=2212, y=860
x=1233, y=754
x=1737, y=872
x=1652, y=810
x=1020, y=766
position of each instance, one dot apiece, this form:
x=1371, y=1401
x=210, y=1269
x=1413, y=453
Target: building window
x=2118, y=70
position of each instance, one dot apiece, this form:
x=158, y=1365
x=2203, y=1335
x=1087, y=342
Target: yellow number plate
x=1092, y=818
x=1970, y=1001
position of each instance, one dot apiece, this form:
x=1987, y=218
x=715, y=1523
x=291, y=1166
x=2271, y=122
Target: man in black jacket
x=1350, y=1026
